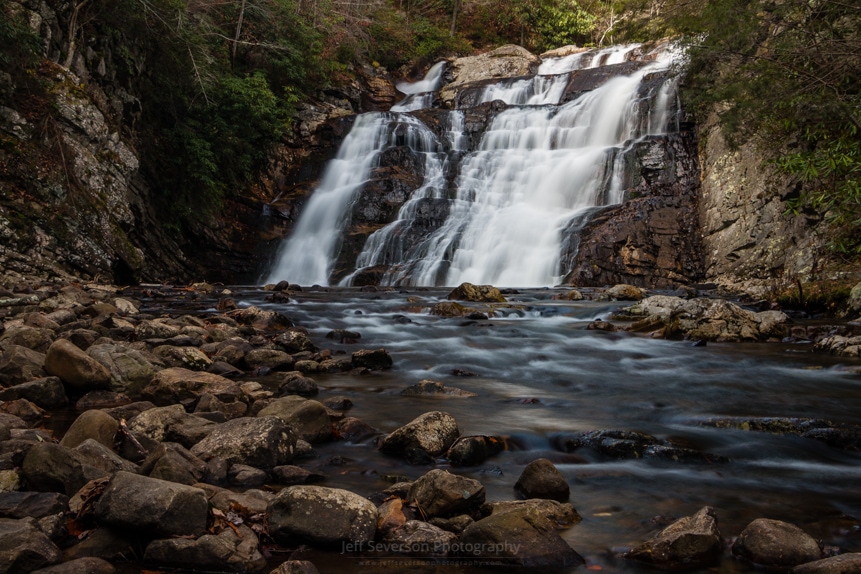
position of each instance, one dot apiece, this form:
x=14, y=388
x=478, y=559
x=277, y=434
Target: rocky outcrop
x=690, y=542
x=505, y=62
x=652, y=239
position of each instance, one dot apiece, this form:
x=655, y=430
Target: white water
x=538, y=170
x=420, y=94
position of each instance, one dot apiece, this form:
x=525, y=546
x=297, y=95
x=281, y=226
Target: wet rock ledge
x=164, y=460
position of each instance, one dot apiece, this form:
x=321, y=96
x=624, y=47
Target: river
x=539, y=373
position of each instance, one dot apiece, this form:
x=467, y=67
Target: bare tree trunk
x=454, y=17
x=238, y=32
x=73, y=33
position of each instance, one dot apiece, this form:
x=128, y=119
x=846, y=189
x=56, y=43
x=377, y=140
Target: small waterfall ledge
x=581, y=170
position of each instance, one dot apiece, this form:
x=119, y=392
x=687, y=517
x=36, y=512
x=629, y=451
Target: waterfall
x=496, y=210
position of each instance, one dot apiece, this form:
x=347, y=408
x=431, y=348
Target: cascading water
x=541, y=166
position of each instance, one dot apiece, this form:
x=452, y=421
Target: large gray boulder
x=776, y=544
x=130, y=369
x=262, y=442
x=431, y=433
x=89, y=565
x=323, y=516
x=420, y=538
x=561, y=515
x=690, y=542
x=76, y=369
x=519, y=537
x=308, y=417
x=32, y=504
x=24, y=548
x=227, y=551
x=440, y=493
x=174, y=463
x=504, y=62
x=154, y=506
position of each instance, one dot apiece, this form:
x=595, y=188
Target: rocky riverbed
x=233, y=430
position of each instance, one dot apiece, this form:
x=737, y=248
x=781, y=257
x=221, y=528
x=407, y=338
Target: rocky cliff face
x=749, y=238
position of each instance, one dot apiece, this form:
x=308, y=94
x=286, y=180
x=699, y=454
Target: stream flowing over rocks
x=348, y=430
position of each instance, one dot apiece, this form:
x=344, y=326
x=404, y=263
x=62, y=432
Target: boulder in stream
x=75, y=368
x=440, y=493
x=776, y=544
x=841, y=564
x=321, y=516
x=690, y=542
x=430, y=434
x=476, y=293
x=541, y=479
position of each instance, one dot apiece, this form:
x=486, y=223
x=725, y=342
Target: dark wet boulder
x=519, y=537
x=622, y=444
x=689, y=543
x=473, y=450
x=24, y=409
x=92, y=424
x=47, y=393
x=98, y=455
x=153, y=506
x=455, y=524
x=156, y=329
x=343, y=336
x=419, y=538
x=75, y=368
x=89, y=565
x=308, y=417
x=571, y=295
x=24, y=547
x=476, y=293
x=174, y=463
x=31, y=337
x=843, y=436
x=841, y=564
x=541, y=479
x=562, y=515
x=106, y=543
x=103, y=400
x=373, y=359
x=321, y=516
x=431, y=433
x=19, y=365
x=34, y=504
x=227, y=551
x=428, y=388
x=353, y=430
x=262, y=442
x=49, y=467
x=271, y=359
x=776, y=544
x=289, y=475
x=440, y=493
x=295, y=383
x=185, y=357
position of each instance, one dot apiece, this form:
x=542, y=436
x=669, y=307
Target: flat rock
x=323, y=516
x=373, y=359
x=171, y=424
x=562, y=515
x=151, y=505
x=776, y=544
x=428, y=388
x=476, y=293
x=130, y=369
x=689, y=543
x=419, y=538
x=296, y=567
